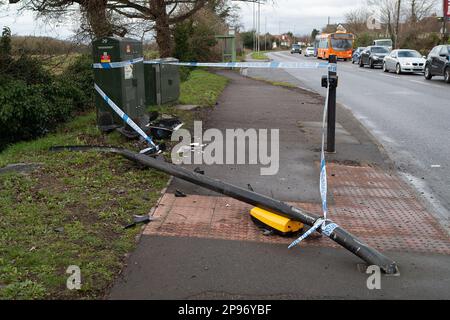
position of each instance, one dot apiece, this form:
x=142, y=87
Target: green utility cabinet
x=125, y=86
x=162, y=81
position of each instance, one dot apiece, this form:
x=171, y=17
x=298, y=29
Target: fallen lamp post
x=370, y=255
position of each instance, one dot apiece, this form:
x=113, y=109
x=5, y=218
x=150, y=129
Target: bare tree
x=419, y=9
x=94, y=13
x=356, y=20
x=106, y=17
x=397, y=23
x=390, y=15
x=98, y=15
x=163, y=13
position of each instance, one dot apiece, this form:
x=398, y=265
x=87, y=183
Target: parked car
x=404, y=60
x=309, y=51
x=373, y=56
x=296, y=48
x=356, y=54
x=438, y=63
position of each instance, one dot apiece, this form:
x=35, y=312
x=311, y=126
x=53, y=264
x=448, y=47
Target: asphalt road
x=408, y=115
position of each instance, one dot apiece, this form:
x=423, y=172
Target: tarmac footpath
x=204, y=245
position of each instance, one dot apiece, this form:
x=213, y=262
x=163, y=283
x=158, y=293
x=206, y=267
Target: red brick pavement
x=375, y=206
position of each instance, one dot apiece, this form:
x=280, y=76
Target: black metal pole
x=339, y=235
x=331, y=116
x=444, y=29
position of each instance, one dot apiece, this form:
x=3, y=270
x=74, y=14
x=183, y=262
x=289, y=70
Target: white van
x=383, y=43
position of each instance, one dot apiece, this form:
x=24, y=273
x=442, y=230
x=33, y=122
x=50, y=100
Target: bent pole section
x=370, y=255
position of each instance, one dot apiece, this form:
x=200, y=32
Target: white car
x=309, y=51
x=404, y=60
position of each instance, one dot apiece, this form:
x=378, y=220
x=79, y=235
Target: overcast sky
x=299, y=16
x=27, y=24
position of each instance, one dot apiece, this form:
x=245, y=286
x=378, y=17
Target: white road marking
x=390, y=76
x=425, y=84
x=363, y=70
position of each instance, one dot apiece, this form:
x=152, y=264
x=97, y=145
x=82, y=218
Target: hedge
x=34, y=102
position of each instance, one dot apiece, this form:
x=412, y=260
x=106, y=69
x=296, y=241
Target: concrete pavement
x=255, y=104
x=205, y=246
x=197, y=268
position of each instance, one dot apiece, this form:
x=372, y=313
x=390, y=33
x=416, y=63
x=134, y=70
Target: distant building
x=282, y=41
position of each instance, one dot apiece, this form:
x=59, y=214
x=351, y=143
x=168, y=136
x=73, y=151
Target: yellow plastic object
x=276, y=221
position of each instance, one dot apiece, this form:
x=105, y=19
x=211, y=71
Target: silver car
x=404, y=60
x=309, y=51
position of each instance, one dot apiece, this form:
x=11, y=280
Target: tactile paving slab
x=368, y=202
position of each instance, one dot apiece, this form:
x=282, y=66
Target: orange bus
x=339, y=44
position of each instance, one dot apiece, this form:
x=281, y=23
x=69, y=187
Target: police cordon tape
x=321, y=223
x=119, y=64
x=262, y=65
x=127, y=120
x=122, y=64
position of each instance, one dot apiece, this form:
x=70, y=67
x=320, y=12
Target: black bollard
x=331, y=116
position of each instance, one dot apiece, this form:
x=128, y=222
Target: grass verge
x=276, y=83
x=282, y=84
x=71, y=209
x=259, y=55
x=202, y=88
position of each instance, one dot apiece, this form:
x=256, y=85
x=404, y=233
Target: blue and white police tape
x=127, y=119
x=332, y=67
x=120, y=64
x=316, y=225
x=326, y=226
x=323, y=185
x=262, y=65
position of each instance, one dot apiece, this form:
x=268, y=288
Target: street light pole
x=293, y=35
x=254, y=27
x=265, y=33
x=370, y=255
x=444, y=28
x=259, y=23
